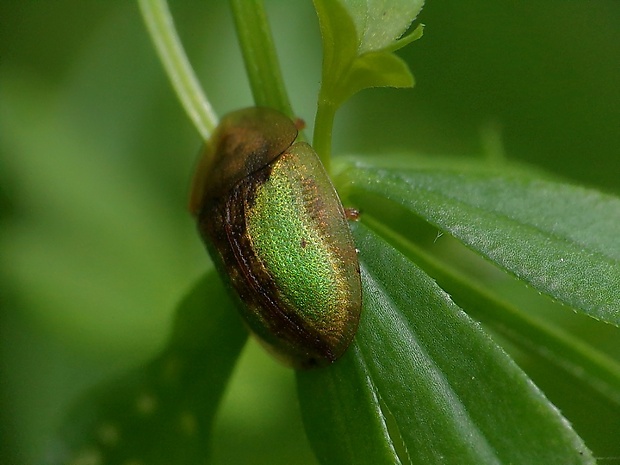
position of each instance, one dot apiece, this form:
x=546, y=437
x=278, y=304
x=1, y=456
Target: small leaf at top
x=358, y=41
x=380, y=23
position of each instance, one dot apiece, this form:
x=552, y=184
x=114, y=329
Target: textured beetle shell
x=274, y=225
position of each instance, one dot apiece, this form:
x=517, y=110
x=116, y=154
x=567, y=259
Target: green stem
x=259, y=55
x=323, y=126
x=590, y=366
x=160, y=25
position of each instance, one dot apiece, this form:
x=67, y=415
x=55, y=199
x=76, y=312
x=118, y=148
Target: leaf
x=591, y=368
x=379, y=69
x=562, y=240
x=456, y=397
x=358, y=41
x=379, y=24
x=160, y=413
x=342, y=416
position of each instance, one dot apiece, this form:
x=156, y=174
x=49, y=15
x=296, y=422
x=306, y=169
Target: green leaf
x=340, y=47
x=161, y=413
x=591, y=368
x=454, y=395
x=358, y=41
x=379, y=23
x=560, y=239
x=342, y=415
x=377, y=69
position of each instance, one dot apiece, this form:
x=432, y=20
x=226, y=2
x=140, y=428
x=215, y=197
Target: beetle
x=278, y=234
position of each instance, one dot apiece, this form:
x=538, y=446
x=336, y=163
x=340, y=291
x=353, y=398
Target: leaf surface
x=455, y=396
x=359, y=38
x=561, y=239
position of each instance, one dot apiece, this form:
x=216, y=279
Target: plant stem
x=161, y=28
x=563, y=350
x=323, y=126
x=259, y=55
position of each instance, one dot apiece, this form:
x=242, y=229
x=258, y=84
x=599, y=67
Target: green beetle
x=274, y=225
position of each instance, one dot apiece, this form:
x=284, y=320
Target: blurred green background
x=96, y=154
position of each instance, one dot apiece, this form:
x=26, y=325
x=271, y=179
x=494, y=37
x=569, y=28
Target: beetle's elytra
x=275, y=227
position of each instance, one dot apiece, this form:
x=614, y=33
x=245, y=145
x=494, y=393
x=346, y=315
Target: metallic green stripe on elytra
x=292, y=246
x=277, y=233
